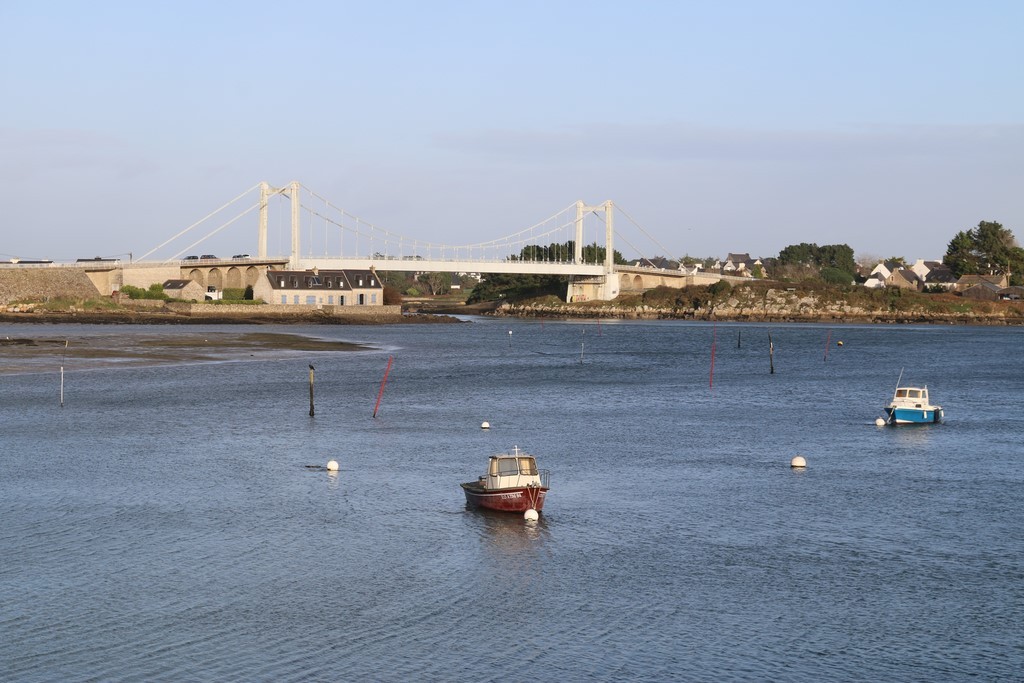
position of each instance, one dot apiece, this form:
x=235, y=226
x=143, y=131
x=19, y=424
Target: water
x=163, y=525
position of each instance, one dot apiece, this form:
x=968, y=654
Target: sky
x=719, y=127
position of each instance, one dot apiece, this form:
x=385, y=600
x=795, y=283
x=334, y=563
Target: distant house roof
x=905, y=278
x=940, y=274
x=323, y=279
x=659, y=262
x=176, y=284
x=971, y=279
x=1012, y=293
x=985, y=291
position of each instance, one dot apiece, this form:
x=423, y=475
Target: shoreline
x=131, y=317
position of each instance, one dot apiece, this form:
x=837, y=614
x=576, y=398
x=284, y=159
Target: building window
x=295, y=281
x=280, y=282
x=341, y=301
x=311, y=300
x=295, y=299
x=373, y=298
x=284, y=298
x=330, y=299
x=328, y=283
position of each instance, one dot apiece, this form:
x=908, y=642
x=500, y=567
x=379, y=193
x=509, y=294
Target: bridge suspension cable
x=198, y=222
x=639, y=227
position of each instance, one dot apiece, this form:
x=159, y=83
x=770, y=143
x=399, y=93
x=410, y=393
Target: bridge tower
x=266, y=192
x=607, y=286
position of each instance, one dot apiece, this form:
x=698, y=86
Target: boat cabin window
x=901, y=393
x=915, y=393
x=507, y=467
x=528, y=466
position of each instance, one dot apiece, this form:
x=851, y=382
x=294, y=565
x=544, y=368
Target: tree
x=438, y=283
x=989, y=249
x=799, y=254
x=799, y=258
x=564, y=252
x=838, y=256
x=836, y=276
x=507, y=286
x=960, y=254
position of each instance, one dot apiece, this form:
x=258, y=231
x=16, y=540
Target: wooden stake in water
x=311, y=390
x=739, y=338
x=582, y=341
x=62, y=357
x=771, y=354
x=380, y=394
x=828, y=340
x=714, y=340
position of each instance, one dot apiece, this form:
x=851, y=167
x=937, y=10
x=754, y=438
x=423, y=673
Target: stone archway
x=234, y=278
x=252, y=275
x=215, y=278
x=196, y=275
x=638, y=282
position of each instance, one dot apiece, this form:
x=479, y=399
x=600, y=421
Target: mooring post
x=771, y=354
x=311, y=390
x=62, y=357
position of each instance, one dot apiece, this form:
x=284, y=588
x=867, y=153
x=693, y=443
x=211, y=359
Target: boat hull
x=925, y=415
x=505, y=500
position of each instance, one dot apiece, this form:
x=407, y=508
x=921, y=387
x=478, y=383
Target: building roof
x=659, y=262
x=177, y=284
x=939, y=273
x=323, y=279
x=976, y=279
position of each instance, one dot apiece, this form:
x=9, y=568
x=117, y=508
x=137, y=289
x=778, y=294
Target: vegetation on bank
x=802, y=302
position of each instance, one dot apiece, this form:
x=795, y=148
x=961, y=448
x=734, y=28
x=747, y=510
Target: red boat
x=512, y=484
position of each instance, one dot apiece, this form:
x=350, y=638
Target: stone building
x=186, y=290
x=320, y=288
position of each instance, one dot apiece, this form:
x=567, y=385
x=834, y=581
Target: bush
x=720, y=287
x=155, y=291
x=836, y=276
x=235, y=294
x=392, y=297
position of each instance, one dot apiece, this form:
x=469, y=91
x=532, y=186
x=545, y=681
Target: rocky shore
x=783, y=306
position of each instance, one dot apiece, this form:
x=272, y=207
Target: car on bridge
x=207, y=257
x=190, y=258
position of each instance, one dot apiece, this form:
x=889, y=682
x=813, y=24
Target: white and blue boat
x=910, y=405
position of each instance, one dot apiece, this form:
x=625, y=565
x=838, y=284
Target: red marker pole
x=384, y=381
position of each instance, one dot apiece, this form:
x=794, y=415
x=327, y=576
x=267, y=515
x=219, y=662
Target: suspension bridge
x=578, y=241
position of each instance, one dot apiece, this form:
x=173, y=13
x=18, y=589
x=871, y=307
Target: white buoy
x=879, y=421
x=485, y=425
x=798, y=461
x=531, y=515
x=332, y=465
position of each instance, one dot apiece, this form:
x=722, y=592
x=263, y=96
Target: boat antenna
x=899, y=379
